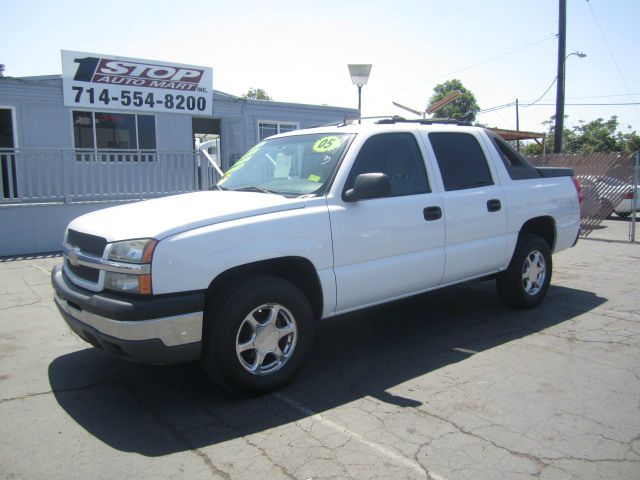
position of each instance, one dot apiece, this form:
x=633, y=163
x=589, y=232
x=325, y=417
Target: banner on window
x=108, y=82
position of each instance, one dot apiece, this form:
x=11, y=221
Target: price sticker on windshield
x=327, y=144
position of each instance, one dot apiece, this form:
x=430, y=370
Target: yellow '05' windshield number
x=327, y=144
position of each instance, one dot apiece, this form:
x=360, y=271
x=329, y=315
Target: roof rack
x=388, y=120
x=424, y=121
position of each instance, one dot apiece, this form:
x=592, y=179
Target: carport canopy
x=520, y=135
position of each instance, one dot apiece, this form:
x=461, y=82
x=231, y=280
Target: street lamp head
x=578, y=54
x=359, y=73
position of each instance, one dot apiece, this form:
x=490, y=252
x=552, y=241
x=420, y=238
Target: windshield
x=293, y=166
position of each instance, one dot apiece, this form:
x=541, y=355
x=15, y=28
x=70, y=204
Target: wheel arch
x=544, y=227
x=296, y=270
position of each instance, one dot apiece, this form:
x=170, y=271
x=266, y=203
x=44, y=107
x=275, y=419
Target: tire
x=525, y=282
x=607, y=209
x=623, y=215
x=257, y=333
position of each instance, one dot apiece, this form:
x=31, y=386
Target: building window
x=266, y=129
x=114, y=131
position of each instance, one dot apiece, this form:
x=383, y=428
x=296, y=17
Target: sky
x=298, y=51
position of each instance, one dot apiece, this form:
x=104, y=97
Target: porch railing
x=72, y=175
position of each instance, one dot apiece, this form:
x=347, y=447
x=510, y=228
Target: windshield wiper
x=253, y=188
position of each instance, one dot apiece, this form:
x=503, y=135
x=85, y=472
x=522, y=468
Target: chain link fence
x=609, y=210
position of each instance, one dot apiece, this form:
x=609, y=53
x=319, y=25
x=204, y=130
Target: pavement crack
x=24, y=397
x=539, y=462
x=177, y=434
x=10, y=307
x=56, y=391
x=257, y=446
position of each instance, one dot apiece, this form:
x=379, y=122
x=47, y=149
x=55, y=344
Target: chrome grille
x=91, y=244
x=86, y=273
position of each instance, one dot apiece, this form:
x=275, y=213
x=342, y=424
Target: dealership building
x=113, y=129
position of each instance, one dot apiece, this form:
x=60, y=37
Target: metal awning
x=521, y=135
x=518, y=134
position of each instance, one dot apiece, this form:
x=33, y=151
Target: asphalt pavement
x=450, y=385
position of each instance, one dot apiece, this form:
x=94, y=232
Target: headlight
x=133, y=251
x=125, y=282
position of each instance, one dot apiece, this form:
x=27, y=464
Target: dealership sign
x=110, y=82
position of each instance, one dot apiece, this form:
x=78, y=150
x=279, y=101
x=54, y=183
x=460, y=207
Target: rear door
x=385, y=248
x=473, y=205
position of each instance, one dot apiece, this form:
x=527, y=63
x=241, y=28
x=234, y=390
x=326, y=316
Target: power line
x=592, y=104
x=604, y=96
x=615, y=62
x=511, y=104
x=507, y=105
x=468, y=67
x=540, y=97
x=497, y=107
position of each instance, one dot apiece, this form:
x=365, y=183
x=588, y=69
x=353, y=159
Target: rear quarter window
x=517, y=166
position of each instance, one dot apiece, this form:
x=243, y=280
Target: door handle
x=432, y=213
x=494, y=205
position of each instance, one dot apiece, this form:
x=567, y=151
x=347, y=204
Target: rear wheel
x=257, y=333
x=525, y=282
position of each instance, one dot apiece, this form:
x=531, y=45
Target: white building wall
x=43, y=122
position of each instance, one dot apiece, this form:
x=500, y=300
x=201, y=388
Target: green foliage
x=531, y=149
x=256, y=94
x=463, y=108
x=595, y=136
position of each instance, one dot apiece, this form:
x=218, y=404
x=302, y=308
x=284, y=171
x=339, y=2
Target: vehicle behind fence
x=608, y=180
x=71, y=175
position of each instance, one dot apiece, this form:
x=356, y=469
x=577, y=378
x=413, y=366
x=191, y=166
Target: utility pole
x=562, y=47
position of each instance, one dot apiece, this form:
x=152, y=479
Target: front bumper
x=157, y=330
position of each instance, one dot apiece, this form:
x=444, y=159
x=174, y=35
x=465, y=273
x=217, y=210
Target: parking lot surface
x=450, y=385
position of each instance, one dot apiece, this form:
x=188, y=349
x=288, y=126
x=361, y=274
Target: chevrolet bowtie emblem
x=72, y=256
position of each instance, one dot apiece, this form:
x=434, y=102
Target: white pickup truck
x=308, y=225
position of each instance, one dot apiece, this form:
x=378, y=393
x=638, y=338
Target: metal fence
x=71, y=175
x=609, y=210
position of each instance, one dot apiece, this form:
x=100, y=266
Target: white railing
x=73, y=175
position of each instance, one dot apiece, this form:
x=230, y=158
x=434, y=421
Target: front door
x=389, y=247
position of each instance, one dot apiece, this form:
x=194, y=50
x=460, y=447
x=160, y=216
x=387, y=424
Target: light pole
x=559, y=124
x=359, y=76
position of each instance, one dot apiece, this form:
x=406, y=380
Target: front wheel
x=256, y=335
x=525, y=282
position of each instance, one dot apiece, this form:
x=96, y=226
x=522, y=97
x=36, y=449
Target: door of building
x=8, y=174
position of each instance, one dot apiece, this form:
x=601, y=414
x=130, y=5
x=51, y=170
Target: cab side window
x=461, y=160
x=397, y=155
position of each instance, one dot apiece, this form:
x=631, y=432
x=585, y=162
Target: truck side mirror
x=368, y=186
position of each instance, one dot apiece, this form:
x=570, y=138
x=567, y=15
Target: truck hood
x=162, y=217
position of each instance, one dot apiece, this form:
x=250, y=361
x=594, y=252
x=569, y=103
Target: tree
x=463, y=108
x=256, y=94
x=595, y=136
